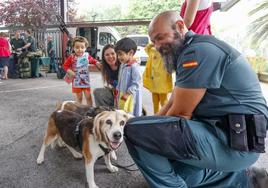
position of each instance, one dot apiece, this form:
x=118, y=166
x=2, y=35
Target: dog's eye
x=122, y=123
x=109, y=122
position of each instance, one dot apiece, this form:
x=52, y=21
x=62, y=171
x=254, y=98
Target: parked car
x=141, y=41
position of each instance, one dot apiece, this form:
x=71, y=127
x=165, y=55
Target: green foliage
x=149, y=8
x=137, y=10
x=259, y=27
x=259, y=64
x=100, y=13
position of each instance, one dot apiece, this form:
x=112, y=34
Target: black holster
x=256, y=133
x=247, y=132
x=238, y=132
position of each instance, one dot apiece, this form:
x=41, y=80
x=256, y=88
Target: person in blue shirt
x=213, y=127
x=129, y=78
x=30, y=45
x=51, y=54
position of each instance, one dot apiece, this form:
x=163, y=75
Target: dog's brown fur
x=95, y=130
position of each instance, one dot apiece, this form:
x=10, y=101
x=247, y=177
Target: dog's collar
x=104, y=149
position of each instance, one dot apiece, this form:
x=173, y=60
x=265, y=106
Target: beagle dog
x=85, y=136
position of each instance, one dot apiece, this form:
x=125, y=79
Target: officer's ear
x=180, y=24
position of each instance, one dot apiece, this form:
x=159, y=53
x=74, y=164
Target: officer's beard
x=169, y=52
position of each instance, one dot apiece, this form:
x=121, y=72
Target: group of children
x=128, y=95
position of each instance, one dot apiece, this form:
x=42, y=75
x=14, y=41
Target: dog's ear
x=98, y=123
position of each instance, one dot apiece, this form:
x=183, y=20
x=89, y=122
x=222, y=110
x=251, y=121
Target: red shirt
x=4, y=47
x=70, y=62
x=201, y=24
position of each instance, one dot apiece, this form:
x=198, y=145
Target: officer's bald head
x=167, y=32
x=165, y=20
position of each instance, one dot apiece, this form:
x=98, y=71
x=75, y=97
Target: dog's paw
x=92, y=186
x=77, y=155
x=39, y=160
x=113, y=155
x=113, y=168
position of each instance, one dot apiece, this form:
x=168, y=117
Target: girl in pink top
x=196, y=15
x=4, y=54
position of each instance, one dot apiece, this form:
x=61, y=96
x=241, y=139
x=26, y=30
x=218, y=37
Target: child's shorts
x=79, y=90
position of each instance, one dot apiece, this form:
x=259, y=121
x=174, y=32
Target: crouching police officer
x=213, y=127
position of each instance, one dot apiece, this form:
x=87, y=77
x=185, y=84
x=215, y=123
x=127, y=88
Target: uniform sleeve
x=68, y=63
x=91, y=60
x=12, y=42
x=201, y=66
x=135, y=79
x=29, y=40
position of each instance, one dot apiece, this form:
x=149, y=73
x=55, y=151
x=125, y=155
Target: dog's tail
x=58, y=105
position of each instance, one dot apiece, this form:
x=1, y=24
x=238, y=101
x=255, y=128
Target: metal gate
x=41, y=42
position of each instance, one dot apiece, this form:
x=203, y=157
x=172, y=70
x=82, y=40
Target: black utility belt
x=246, y=132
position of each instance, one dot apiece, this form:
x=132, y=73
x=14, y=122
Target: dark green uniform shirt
x=17, y=43
x=50, y=49
x=32, y=47
x=232, y=86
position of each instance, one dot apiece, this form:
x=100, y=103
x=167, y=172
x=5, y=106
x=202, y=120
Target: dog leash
x=126, y=168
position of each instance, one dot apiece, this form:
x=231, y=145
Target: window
x=140, y=41
x=85, y=32
x=106, y=38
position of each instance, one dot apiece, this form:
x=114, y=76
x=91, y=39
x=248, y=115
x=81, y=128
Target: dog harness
x=78, y=135
x=104, y=149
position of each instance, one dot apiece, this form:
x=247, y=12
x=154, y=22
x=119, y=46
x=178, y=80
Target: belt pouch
x=238, y=132
x=257, y=133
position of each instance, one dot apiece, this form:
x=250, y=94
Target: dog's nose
x=117, y=135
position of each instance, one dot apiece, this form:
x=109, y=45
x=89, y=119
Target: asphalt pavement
x=25, y=105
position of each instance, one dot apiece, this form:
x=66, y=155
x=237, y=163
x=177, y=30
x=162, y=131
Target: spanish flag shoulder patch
x=190, y=64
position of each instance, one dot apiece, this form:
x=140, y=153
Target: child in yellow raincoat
x=155, y=77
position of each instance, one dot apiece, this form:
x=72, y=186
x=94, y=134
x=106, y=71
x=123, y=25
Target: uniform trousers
x=218, y=165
